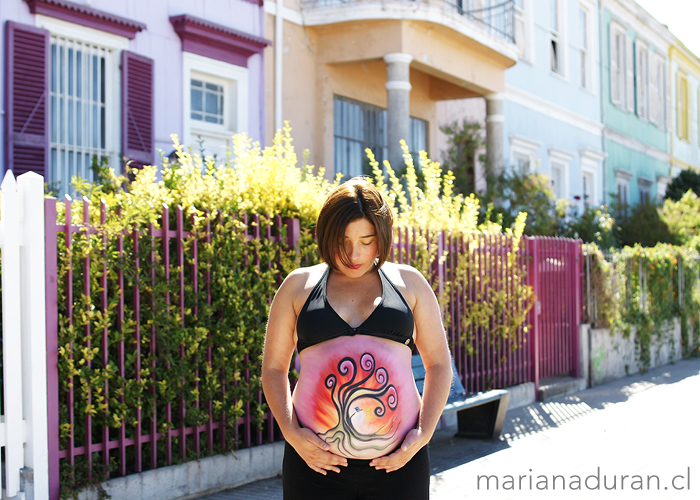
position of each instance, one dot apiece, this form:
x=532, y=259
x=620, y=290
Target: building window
x=84, y=101
x=523, y=29
x=644, y=189
x=622, y=187
x=418, y=130
x=591, y=168
x=657, y=90
x=216, y=104
x=557, y=180
x=683, y=105
x=588, y=185
x=358, y=126
x=584, y=43
x=559, y=164
x=522, y=152
x=555, y=38
x=206, y=101
x=621, y=68
x=642, y=77
x=521, y=162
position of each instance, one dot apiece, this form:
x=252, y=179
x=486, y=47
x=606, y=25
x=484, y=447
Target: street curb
x=197, y=478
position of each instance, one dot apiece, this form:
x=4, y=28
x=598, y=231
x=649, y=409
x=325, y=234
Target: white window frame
x=622, y=179
x=586, y=53
x=558, y=36
x=642, y=78
x=644, y=185
x=229, y=76
x=524, y=30
x=662, y=182
x=115, y=44
x=683, y=75
x=525, y=148
x=657, y=90
x=621, y=67
x=561, y=159
x=591, y=165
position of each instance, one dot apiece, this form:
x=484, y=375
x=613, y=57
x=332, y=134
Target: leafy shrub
x=594, y=225
x=201, y=322
x=521, y=190
x=679, y=185
x=682, y=217
x=464, y=142
x=646, y=288
x=641, y=224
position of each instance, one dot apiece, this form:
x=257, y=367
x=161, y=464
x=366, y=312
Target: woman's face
x=361, y=246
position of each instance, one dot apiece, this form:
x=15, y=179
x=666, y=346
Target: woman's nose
x=352, y=250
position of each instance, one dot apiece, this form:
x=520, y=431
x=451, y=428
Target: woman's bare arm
x=277, y=355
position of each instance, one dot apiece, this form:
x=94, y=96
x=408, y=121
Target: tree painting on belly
x=365, y=402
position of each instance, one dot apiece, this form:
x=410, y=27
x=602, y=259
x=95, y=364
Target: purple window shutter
x=137, y=109
x=26, y=98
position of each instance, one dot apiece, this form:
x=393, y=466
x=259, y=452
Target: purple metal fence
x=548, y=346
x=116, y=439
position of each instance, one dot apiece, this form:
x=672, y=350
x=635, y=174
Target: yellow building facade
x=684, y=108
x=363, y=73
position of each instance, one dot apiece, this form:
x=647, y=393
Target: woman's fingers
x=399, y=458
x=314, y=451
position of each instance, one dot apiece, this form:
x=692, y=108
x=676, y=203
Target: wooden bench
x=479, y=415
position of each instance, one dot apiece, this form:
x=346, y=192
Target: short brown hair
x=356, y=199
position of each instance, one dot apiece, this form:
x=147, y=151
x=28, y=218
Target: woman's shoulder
x=299, y=283
x=407, y=279
x=402, y=273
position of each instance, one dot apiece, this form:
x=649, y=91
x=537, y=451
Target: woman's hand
x=314, y=451
x=412, y=444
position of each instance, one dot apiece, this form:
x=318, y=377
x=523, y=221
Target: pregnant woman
x=355, y=427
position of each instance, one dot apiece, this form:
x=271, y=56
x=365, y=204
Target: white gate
x=23, y=424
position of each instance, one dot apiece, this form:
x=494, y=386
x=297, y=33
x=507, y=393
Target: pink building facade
x=103, y=80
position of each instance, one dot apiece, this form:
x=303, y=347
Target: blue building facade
x=552, y=102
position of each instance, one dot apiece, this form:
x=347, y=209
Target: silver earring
x=376, y=261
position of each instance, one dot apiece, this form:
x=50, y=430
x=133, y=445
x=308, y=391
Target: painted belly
x=358, y=394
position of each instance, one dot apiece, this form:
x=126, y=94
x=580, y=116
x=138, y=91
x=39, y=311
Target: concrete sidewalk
x=637, y=437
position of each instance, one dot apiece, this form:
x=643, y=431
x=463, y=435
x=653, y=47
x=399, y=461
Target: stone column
x=494, y=132
x=398, y=91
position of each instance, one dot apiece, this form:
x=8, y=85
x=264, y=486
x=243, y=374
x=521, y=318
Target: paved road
x=636, y=438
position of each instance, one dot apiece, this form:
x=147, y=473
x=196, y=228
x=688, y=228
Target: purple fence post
x=88, y=335
x=180, y=236
x=207, y=281
x=534, y=282
x=152, y=349
x=165, y=241
x=577, y=271
x=195, y=286
x=51, y=240
x=293, y=232
x=105, y=331
x=137, y=337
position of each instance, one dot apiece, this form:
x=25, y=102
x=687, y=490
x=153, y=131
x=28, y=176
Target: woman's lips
x=356, y=266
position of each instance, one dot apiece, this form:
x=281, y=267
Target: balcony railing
x=496, y=17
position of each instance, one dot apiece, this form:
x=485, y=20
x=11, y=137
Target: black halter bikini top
x=392, y=319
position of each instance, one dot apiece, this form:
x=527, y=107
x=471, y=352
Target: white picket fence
x=23, y=425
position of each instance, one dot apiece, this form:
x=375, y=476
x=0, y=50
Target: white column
x=494, y=132
x=398, y=92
